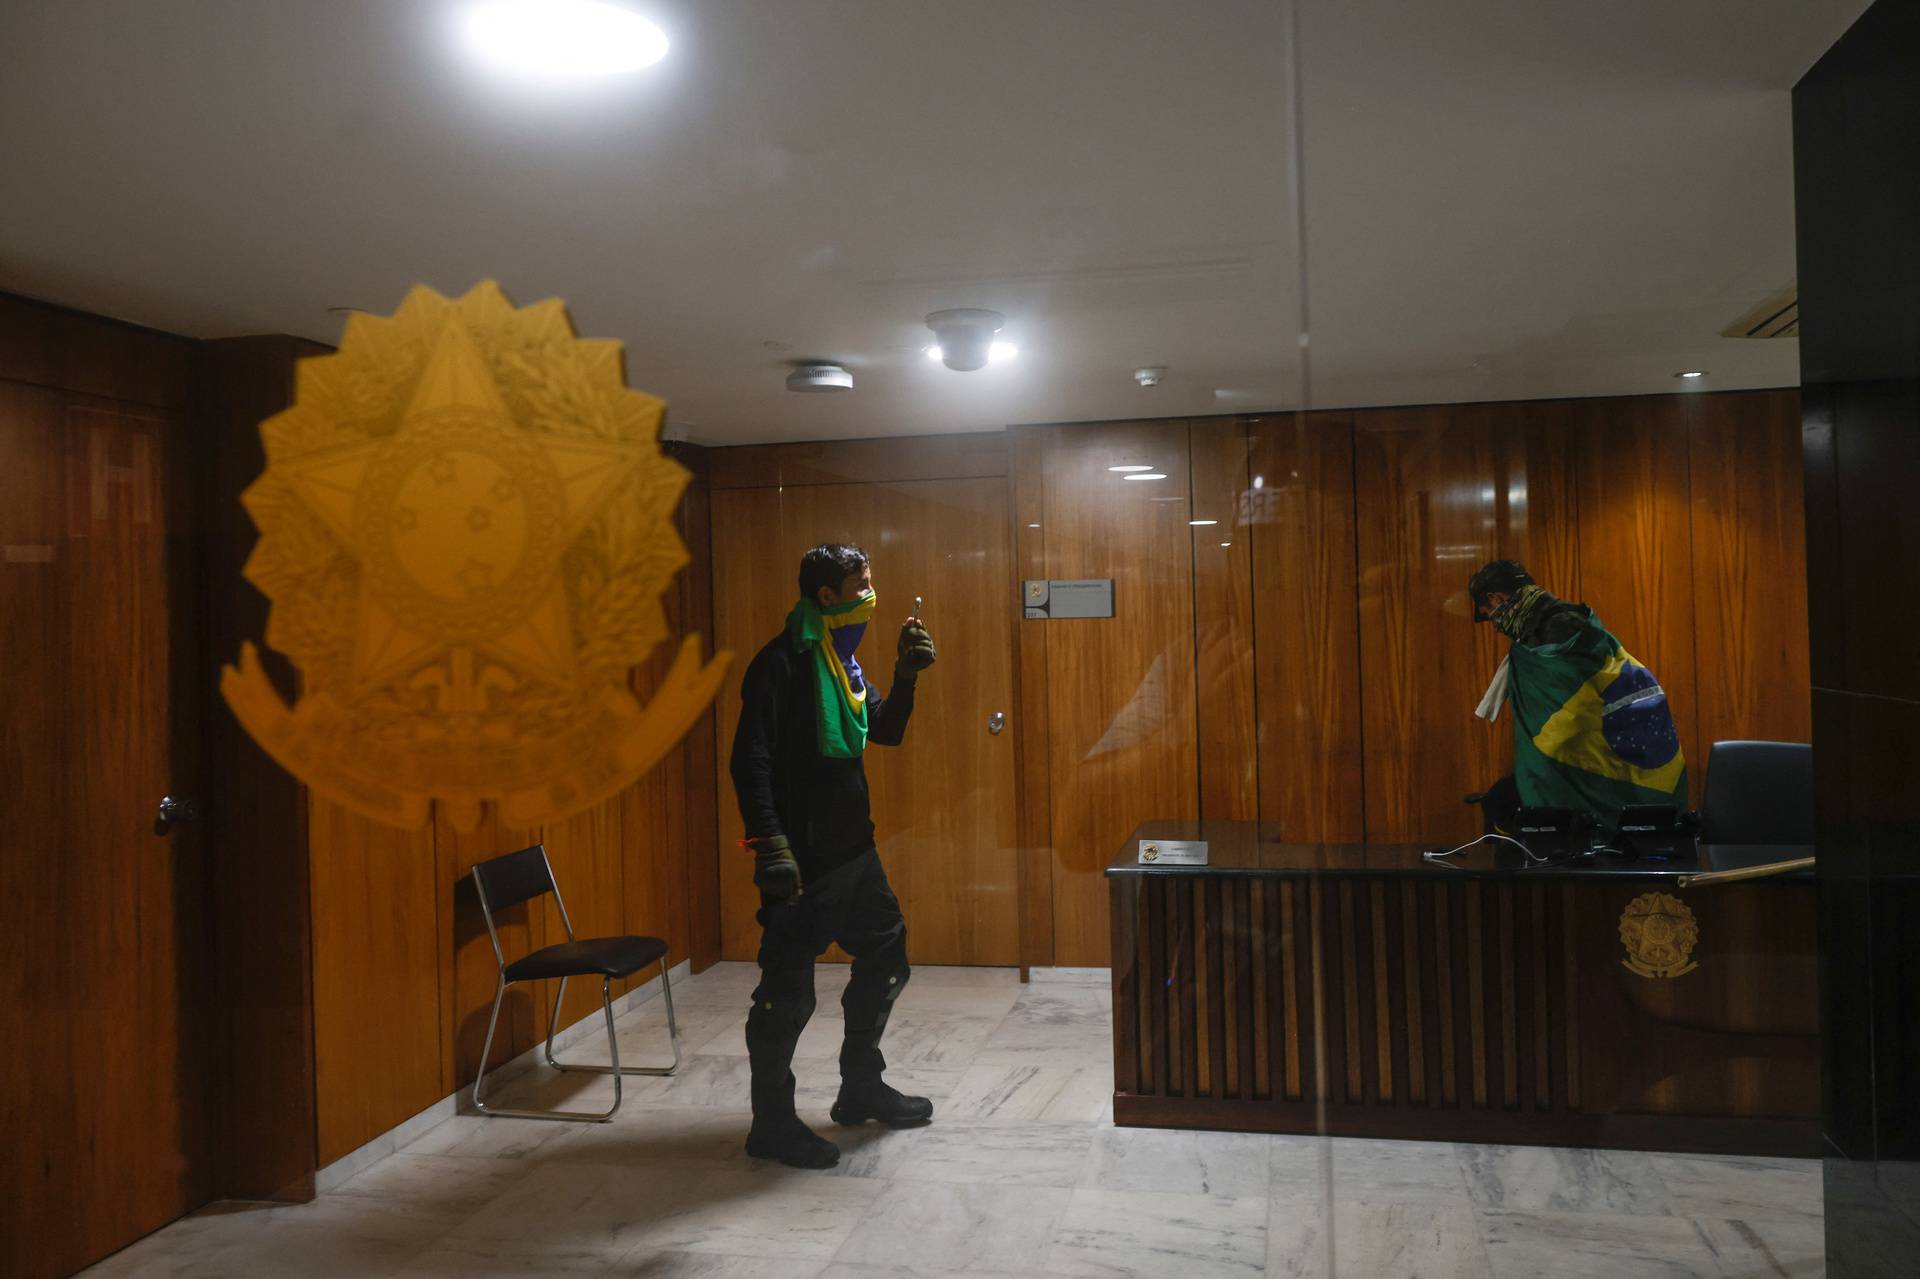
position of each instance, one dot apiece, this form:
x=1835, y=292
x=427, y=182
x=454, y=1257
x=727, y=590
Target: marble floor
x=1021, y=1174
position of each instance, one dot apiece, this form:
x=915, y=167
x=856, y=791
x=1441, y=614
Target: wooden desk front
x=1364, y=991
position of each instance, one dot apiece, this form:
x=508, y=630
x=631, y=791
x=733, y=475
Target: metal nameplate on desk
x=1173, y=852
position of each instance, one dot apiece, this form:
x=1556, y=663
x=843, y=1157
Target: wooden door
x=943, y=804
x=102, y=925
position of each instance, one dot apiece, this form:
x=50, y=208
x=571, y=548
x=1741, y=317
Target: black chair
x=505, y=882
x=1758, y=793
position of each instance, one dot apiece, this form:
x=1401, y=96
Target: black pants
x=854, y=906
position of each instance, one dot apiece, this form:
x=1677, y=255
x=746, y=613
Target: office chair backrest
x=1758, y=793
x=507, y=881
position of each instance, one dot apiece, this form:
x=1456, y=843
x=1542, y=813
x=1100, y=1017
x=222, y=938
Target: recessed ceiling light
x=1226, y=543
x=1148, y=475
x=1124, y=469
x=1202, y=523
x=997, y=353
x=563, y=39
x=1692, y=373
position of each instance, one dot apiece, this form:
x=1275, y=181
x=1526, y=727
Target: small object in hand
x=918, y=604
x=915, y=651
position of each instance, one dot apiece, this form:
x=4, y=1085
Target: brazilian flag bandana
x=840, y=689
x=1592, y=728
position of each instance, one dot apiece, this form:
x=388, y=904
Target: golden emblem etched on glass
x=466, y=526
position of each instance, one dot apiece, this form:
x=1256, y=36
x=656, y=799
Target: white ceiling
x=1502, y=200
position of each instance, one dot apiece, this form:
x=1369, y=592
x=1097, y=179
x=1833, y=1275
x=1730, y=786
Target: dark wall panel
x=256, y=811
x=1857, y=193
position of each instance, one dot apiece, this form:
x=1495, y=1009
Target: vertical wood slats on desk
x=1218, y=1000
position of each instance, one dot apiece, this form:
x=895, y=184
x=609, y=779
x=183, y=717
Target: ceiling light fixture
x=1124, y=469
x=1202, y=523
x=1145, y=475
x=563, y=39
x=963, y=337
x=997, y=352
x=1692, y=373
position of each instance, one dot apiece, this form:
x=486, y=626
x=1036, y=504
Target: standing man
x=806, y=716
x=1592, y=730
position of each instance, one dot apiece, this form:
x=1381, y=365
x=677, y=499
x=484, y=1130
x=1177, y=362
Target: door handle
x=173, y=809
x=996, y=722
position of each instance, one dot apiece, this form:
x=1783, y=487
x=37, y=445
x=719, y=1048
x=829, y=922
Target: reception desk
x=1366, y=991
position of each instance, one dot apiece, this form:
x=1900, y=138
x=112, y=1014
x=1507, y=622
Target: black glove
x=775, y=873
x=916, y=649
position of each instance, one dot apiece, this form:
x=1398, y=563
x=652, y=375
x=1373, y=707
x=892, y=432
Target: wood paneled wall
x=403, y=972
x=1319, y=670
x=1300, y=524
x=1440, y=491
x=1122, y=695
x=107, y=997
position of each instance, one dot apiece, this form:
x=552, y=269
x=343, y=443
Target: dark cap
x=1504, y=576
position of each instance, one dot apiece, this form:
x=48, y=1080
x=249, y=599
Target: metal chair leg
x=673, y=1036
x=577, y=1116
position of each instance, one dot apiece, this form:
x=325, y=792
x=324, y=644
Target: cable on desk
x=1507, y=839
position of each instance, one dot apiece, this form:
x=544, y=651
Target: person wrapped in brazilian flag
x=1592, y=729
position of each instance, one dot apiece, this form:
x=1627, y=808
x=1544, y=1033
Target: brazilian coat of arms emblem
x=1659, y=933
x=466, y=526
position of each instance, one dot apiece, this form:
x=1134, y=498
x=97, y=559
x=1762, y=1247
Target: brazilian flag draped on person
x=840, y=687
x=1592, y=728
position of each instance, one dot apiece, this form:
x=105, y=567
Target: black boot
x=791, y=1142
x=859, y=1102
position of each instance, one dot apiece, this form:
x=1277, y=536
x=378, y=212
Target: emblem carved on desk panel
x=1659, y=933
x=466, y=529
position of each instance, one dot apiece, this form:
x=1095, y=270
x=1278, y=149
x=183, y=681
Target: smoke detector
x=819, y=376
x=1150, y=376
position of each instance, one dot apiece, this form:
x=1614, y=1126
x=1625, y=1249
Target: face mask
x=1511, y=618
x=847, y=634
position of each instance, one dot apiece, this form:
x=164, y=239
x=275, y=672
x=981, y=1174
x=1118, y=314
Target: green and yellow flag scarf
x=840, y=689
x=1592, y=728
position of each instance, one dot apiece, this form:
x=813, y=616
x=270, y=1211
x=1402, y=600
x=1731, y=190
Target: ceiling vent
x=1777, y=317
x=815, y=376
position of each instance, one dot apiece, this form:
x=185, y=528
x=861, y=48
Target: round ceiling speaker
x=819, y=377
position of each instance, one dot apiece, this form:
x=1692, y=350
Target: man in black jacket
x=806, y=715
